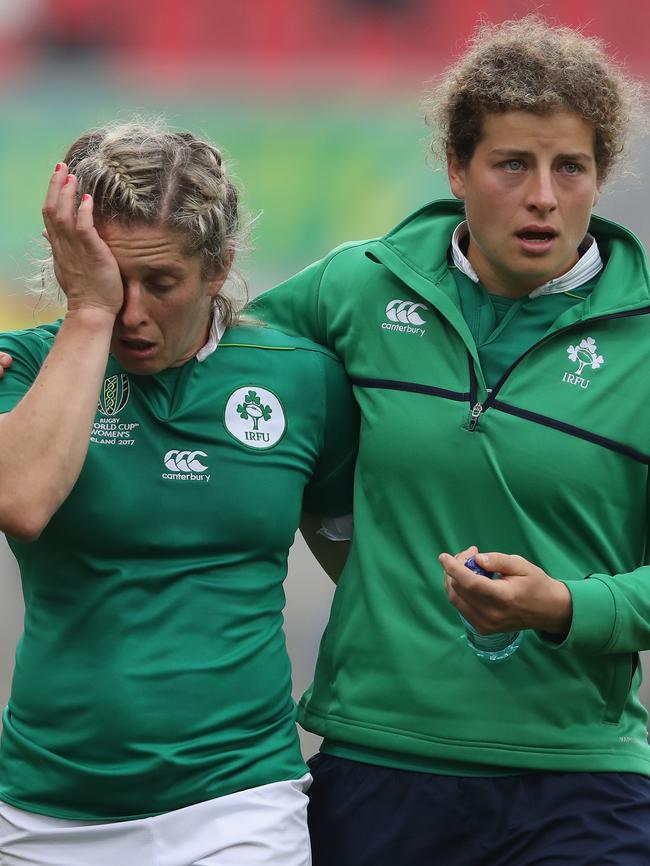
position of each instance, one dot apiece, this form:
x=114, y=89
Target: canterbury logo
x=405, y=312
x=185, y=461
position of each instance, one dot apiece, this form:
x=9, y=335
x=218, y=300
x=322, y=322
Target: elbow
x=22, y=523
x=24, y=534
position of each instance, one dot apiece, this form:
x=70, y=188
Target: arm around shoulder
x=309, y=303
x=292, y=306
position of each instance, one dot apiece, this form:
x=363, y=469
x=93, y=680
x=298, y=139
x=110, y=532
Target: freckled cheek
x=496, y=184
x=492, y=205
x=488, y=225
x=577, y=221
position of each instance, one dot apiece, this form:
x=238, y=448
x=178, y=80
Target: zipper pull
x=477, y=409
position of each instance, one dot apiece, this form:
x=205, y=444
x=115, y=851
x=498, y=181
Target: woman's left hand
x=524, y=597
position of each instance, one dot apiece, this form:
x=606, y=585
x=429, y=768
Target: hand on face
x=524, y=597
x=84, y=265
x=5, y=362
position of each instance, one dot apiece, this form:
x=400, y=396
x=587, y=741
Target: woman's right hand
x=84, y=265
x=5, y=362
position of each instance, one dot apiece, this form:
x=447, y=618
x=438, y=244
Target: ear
x=597, y=195
x=456, y=174
x=600, y=180
x=219, y=277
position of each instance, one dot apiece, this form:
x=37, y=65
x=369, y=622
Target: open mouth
x=137, y=344
x=539, y=237
x=137, y=347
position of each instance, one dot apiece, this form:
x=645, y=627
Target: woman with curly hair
x=498, y=346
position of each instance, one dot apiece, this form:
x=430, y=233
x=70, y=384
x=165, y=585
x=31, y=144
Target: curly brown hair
x=530, y=65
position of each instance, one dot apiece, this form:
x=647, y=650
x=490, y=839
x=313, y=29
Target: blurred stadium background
x=316, y=104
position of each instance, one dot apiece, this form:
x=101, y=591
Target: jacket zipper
x=478, y=408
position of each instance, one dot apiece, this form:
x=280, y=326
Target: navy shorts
x=365, y=815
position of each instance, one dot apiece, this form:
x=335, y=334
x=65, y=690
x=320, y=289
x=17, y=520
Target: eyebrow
x=165, y=270
x=512, y=153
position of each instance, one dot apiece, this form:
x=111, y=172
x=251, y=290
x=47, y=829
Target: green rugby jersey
x=152, y=672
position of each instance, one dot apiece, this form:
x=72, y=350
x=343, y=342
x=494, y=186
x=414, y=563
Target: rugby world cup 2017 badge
x=114, y=395
x=255, y=417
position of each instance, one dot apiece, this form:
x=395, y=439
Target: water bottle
x=490, y=647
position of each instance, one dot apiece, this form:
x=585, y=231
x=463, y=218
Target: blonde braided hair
x=142, y=172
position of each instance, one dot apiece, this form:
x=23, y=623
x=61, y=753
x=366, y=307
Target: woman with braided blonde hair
x=165, y=459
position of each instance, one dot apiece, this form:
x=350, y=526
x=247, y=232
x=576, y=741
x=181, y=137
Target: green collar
x=416, y=252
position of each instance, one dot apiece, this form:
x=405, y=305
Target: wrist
x=560, y=615
x=95, y=318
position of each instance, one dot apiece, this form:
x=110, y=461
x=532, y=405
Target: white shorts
x=264, y=826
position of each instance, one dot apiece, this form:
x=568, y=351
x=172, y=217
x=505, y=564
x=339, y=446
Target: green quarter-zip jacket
x=552, y=464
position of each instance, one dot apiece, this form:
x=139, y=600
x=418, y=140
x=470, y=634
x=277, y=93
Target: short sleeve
x=28, y=349
x=329, y=493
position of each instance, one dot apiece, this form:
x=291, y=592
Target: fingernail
x=58, y=167
x=67, y=180
x=85, y=197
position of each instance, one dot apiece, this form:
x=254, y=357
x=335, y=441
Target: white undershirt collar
x=588, y=265
x=214, y=337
